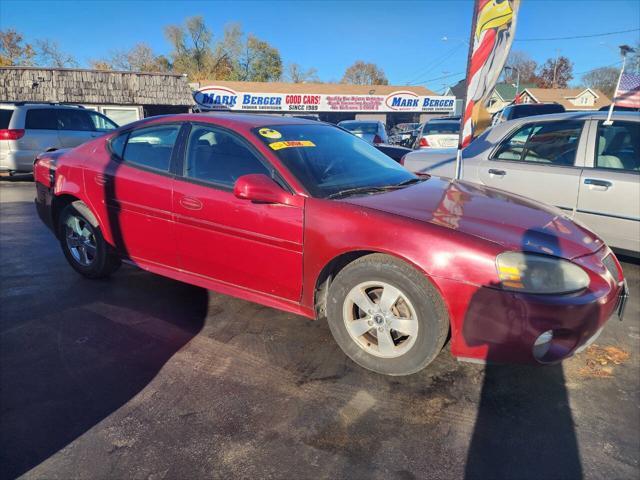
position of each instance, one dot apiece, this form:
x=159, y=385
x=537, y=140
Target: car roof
x=14, y=105
x=360, y=121
x=585, y=115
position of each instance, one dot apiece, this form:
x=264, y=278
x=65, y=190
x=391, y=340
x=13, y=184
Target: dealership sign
x=223, y=98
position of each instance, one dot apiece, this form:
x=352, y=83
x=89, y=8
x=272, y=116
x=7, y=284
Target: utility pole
x=555, y=68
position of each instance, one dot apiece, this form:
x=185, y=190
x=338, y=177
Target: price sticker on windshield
x=291, y=143
x=270, y=133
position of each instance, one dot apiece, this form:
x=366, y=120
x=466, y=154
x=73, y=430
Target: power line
x=439, y=78
x=575, y=36
x=433, y=64
x=598, y=68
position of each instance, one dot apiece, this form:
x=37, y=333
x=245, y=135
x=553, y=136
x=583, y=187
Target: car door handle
x=191, y=203
x=497, y=173
x=595, y=184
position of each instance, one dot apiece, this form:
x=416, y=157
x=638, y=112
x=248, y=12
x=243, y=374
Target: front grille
x=611, y=265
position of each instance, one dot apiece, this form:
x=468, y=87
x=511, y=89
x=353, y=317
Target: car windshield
x=438, y=128
x=328, y=160
x=360, y=127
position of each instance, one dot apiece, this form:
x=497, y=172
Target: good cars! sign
x=222, y=98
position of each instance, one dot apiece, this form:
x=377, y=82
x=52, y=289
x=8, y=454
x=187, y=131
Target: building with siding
x=122, y=96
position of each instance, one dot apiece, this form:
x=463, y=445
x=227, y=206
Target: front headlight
x=531, y=273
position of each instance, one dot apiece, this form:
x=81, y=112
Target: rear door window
x=5, y=118
x=618, y=146
x=76, y=120
x=41, y=119
x=151, y=147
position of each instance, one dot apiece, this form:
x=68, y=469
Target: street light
x=514, y=69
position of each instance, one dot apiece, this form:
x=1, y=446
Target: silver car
x=27, y=129
x=572, y=160
x=371, y=131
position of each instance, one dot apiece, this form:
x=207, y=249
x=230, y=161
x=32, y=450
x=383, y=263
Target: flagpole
x=466, y=89
x=608, y=121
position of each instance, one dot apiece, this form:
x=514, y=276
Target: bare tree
x=603, y=79
x=49, y=54
x=296, y=74
x=521, y=62
x=13, y=50
x=361, y=73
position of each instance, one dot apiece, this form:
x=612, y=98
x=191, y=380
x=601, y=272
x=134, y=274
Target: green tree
x=603, y=79
x=361, y=73
x=192, y=53
x=13, y=49
x=260, y=62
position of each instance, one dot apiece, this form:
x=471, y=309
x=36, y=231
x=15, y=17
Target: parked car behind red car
x=304, y=217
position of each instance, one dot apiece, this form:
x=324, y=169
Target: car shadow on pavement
x=75, y=350
x=524, y=426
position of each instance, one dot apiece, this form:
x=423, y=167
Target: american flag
x=628, y=93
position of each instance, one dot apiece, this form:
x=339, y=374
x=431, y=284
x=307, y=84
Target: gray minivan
x=27, y=129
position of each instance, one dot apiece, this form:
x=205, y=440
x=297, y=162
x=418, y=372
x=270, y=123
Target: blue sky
x=404, y=38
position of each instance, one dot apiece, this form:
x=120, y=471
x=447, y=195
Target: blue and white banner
x=223, y=98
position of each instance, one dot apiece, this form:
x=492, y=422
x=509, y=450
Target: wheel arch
x=340, y=261
x=58, y=203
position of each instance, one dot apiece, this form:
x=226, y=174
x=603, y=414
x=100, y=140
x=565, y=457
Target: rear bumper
x=44, y=208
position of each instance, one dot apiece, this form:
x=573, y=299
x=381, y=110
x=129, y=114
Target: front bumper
x=493, y=325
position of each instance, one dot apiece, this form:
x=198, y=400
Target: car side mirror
x=261, y=189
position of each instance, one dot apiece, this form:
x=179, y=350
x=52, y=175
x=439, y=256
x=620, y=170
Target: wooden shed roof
x=67, y=85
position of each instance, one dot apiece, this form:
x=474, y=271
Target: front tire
x=386, y=316
x=83, y=244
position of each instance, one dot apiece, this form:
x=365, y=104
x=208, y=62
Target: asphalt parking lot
x=143, y=377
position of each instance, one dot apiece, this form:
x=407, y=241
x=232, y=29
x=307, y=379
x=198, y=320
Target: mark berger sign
x=222, y=98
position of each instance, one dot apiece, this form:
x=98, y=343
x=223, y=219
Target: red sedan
x=305, y=217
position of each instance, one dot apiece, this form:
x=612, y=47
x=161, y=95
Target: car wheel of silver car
x=386, y=316
x=82, y=242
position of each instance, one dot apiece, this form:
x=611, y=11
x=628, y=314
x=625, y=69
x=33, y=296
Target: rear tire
x=83, y=244
x=386, y=316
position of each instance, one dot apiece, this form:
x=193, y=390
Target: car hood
x=512, y=221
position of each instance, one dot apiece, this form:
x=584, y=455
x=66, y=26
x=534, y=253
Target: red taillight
x=11, y=133
x=377, y=139
x=402, y=159
x=423, y=142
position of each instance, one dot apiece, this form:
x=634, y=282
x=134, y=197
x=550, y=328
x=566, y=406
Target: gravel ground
x=143, y=377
